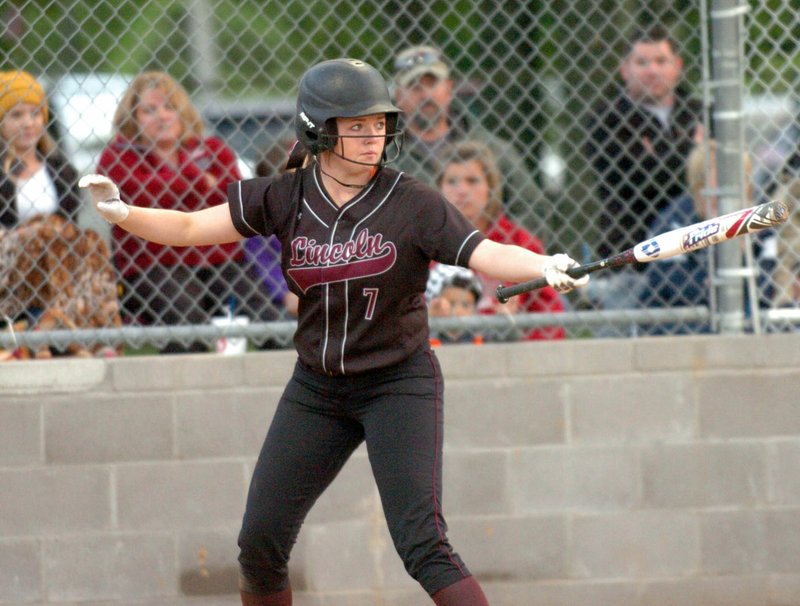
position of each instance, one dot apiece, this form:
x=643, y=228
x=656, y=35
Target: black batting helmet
x=340, y=88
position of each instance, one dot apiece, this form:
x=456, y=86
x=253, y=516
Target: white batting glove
x=555, y=272
x=105, y=197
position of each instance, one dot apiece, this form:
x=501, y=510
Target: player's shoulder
x=276, y=187
x=405, y=185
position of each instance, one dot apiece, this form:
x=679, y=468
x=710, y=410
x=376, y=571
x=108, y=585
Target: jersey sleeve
x=259, y=206
x=446, y=235
x=246, y=200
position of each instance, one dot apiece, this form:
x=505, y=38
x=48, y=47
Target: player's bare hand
x=555, y=272
x=105, y=197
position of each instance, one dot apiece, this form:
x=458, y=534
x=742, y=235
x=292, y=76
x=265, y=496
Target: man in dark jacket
x=638, y=142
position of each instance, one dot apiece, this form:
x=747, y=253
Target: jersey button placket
x=335, y=303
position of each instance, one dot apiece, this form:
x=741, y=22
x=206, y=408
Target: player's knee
x=262, y=570
x=263, y=559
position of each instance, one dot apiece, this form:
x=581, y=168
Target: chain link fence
x=538, y=82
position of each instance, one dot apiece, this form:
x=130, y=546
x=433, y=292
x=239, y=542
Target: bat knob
x=499, y=294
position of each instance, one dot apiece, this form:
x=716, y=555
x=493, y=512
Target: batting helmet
x=340, y=88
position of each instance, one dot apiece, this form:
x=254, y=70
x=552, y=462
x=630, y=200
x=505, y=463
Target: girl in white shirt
x=35, y=179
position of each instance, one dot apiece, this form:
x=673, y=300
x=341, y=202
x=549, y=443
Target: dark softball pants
x=318, y=424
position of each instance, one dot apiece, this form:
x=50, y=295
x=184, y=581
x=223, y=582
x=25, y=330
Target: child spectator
x=457, y=292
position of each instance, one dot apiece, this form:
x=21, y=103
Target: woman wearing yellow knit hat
x=35, y=178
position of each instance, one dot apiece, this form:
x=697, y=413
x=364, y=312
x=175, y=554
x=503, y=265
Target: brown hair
x=125, y=117
x=466, y=151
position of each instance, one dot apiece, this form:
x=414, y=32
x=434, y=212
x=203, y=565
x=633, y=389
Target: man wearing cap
x=433, y=120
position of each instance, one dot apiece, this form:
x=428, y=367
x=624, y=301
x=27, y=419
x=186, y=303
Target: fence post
x=727, y=84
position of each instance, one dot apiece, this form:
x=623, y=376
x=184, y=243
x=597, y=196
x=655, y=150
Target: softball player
x=357, y=240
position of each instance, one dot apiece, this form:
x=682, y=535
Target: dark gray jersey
x=360, y=270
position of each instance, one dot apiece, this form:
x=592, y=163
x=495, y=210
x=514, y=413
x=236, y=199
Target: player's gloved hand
x=105, y=197
x=555, y=272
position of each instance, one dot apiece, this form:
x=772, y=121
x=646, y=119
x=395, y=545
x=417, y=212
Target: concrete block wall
x=647, y=472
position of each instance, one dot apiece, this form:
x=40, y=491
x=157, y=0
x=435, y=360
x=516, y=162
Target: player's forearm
x=211, y=225
x=507, y=262
x=162, y=226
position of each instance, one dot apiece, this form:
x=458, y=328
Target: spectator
x=52, y=274
x=433, y=120
x=789, y=168
x=471, y=180
x=683, y=280
x=785, y=277
x=457, y=295
x=638, y=142
x=161, y=159
x=35, y=178
x=36, y=181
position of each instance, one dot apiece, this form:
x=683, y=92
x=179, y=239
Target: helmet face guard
x=342, y=88
x=393, y=141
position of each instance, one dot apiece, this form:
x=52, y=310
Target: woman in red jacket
x=471, y=180
x=160, y=159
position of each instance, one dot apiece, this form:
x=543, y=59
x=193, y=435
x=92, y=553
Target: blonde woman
x=160, y=158
x=53, y=274
x=35, y=178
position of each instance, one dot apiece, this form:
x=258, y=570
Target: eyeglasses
x=419, y=57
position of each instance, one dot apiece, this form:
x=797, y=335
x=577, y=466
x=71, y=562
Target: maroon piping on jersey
x=437, y=511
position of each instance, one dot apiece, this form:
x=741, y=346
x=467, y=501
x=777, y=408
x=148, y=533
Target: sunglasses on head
x=422, y=57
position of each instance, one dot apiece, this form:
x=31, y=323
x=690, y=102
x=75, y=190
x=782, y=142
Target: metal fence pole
x=203, y=47
x=728, y=130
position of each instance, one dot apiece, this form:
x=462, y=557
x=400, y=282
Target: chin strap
x=353, y=185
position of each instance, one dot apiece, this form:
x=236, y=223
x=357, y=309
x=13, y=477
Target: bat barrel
x=672, y=243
